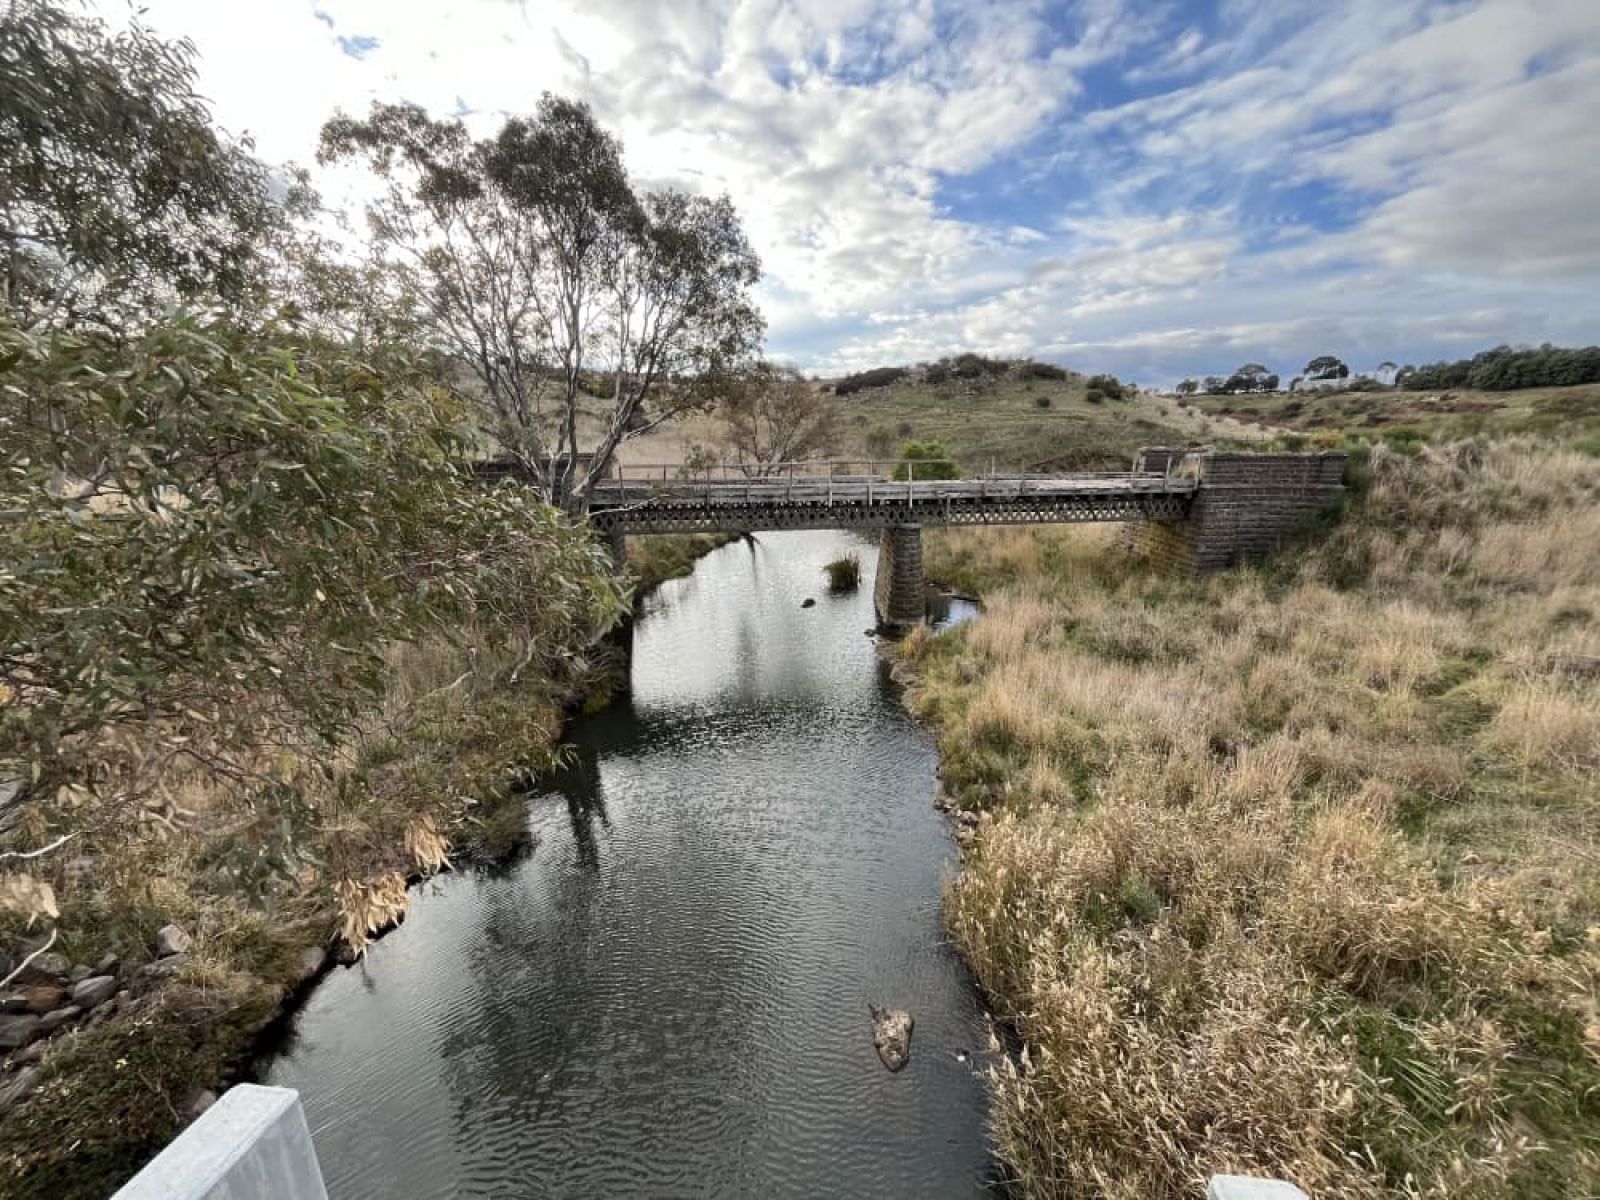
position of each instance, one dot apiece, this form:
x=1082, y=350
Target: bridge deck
x=871, y=502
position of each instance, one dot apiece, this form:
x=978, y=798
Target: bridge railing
x=777, y=472
x=848, y=482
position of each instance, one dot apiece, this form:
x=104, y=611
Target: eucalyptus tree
x=534, y=264
x=772, y=415
x=1326, y=366
x=117, y=193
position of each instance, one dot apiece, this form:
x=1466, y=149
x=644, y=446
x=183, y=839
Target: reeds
x=1292, y=871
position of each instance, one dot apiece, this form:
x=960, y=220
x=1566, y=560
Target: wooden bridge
x=1201, y=510
x=642, y=499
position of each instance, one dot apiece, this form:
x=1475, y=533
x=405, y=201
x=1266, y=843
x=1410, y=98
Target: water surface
x=668, y=996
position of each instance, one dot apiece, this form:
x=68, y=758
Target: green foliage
x=926, y=460
x=530, y=260
x=210, y=534
x=876, y=378
x=1109, y=387
x=1504, y=369
x=1325, y=367
x=1039, y=370
x=1252, y=377
x=115, y=190
x=844, y=573
x=975, y=366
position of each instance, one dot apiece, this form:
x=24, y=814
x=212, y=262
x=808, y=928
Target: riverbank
x=435, y=777
x=433, y=780
x=1290, y=871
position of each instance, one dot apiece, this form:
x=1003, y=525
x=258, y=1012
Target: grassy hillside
x=1292, y=870
x=1571, y=414
x=1022, y=424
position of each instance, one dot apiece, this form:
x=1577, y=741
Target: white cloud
x=1345, y=176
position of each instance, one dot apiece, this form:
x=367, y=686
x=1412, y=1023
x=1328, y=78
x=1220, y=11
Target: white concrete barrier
x=1245, y=1187
x=252, y=1144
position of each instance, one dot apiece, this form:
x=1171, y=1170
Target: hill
x=1014, y=422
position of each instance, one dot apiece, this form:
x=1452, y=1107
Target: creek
x=668, y=995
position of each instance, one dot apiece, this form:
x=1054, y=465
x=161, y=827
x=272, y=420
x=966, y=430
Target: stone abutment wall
x=1245, y=508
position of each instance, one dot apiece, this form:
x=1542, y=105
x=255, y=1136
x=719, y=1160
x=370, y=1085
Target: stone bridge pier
x=898, y=591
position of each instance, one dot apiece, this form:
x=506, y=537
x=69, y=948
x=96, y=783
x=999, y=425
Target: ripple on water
x=669, y=996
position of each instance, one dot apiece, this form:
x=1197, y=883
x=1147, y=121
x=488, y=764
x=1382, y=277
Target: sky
x=1157, y=188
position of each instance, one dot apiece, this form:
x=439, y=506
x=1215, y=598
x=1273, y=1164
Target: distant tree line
x=1501, y=369
x=965, y=366
x=862, y=380
x=1504, y=369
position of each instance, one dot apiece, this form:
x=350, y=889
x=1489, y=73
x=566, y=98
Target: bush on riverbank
x=1292, y=871
x=270, y=651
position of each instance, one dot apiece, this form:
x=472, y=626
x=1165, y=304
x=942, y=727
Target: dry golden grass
x=1293, y=871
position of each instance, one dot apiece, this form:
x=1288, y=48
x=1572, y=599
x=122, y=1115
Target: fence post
x=252, y=1144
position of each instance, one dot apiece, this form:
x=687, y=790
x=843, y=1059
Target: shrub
x=1095, y=396
x=844, y=573
x=1109, y=386
x=1039, y=370
x=975, y=366
x=926, y=460
x=876, y=378
x=880, y=442
x=1041, y=401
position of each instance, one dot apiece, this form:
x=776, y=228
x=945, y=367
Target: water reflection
x=668, y=996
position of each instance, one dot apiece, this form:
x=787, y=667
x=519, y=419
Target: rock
x=62, y=1016
x=108, y=964
x=162, y=969
x=47, y=968
x=44, y=997
x=809, y=602
x=18, y=1030
x=79, y=974
x=16, y=1089
x=891, y=1035
x=13, y=1002
x=312, y=960
x=29, y=1054
x=95, y=990
x=171, y=939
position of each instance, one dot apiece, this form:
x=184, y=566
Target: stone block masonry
x=897, y=590
x=1244, y=509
